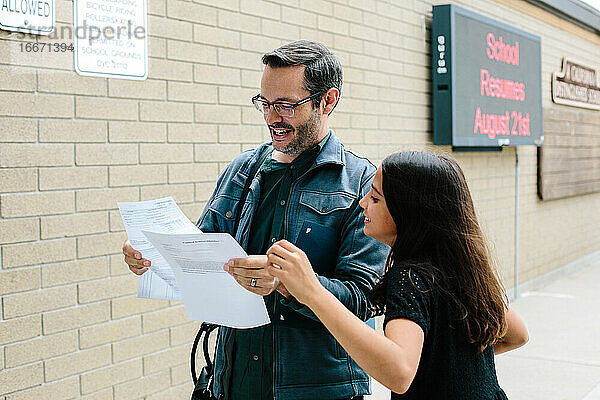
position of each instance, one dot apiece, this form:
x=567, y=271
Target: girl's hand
x=291, y=265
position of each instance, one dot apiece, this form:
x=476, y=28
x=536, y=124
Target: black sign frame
x=521, y=120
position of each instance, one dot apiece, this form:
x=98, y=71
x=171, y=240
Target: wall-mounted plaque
x=576, y=85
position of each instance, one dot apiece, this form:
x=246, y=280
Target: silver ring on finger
x=253, y=282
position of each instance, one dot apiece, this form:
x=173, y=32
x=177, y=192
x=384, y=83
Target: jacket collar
x=332, y=152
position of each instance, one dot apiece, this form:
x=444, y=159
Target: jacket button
x=282, y=202
x=324, y=209
x=255, y=357
x=228, y=214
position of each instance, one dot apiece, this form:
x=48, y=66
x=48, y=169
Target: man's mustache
x=281, y=125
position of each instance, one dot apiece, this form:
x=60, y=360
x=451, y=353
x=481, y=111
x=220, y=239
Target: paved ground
x=562, y=359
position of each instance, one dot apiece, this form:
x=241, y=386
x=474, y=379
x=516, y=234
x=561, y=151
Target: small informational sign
x=27, y=16
x=576, y=85
x=111, y=38
x=487, y=86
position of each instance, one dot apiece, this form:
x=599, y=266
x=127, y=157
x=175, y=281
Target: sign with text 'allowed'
x=487, y=86
x=111, y=38
x=27, y=16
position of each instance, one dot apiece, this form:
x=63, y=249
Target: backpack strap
x=205, y=329
x=238, y=211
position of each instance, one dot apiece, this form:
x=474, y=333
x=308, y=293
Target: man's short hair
x=323, y=70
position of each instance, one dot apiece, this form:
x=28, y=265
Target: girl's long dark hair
x=438, y=233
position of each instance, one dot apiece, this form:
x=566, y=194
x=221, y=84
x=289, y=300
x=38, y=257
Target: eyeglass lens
x=285, y=110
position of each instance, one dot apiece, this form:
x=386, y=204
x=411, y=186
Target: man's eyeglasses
x=282, y=108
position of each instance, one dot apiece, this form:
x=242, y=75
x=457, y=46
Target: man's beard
x=305, y=135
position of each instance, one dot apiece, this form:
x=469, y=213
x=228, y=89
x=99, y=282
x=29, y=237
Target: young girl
x=446, y=314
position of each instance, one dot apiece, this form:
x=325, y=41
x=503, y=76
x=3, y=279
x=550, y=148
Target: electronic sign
x=487, y=87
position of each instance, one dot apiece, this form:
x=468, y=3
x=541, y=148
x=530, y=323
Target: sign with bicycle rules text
x=111, y=39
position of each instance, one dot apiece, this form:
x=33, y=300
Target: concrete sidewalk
x=562, y=359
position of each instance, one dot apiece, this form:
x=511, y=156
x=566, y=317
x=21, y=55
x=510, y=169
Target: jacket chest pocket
x=320, y=231
x=223, y=209
x=326, y=206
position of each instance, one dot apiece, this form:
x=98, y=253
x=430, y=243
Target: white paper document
x=160, y=215
x=210, y=294
x=188, y=265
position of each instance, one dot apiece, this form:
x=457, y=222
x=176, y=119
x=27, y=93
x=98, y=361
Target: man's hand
x=251, y=273
x=134, y=260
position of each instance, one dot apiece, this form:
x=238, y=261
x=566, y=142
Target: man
x=307, y=192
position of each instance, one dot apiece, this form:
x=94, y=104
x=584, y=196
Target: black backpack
x=203, y=383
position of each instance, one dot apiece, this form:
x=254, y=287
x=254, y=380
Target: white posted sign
x=111, y=38
x=28, y=16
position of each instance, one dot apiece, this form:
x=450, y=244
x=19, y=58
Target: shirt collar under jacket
x=331, y=153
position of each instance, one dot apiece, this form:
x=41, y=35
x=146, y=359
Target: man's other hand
x=251, y=273
x=134, y=260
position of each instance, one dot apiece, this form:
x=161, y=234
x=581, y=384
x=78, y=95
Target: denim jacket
x=324, y=219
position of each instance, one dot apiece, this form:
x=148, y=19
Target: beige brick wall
x=72, y=146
